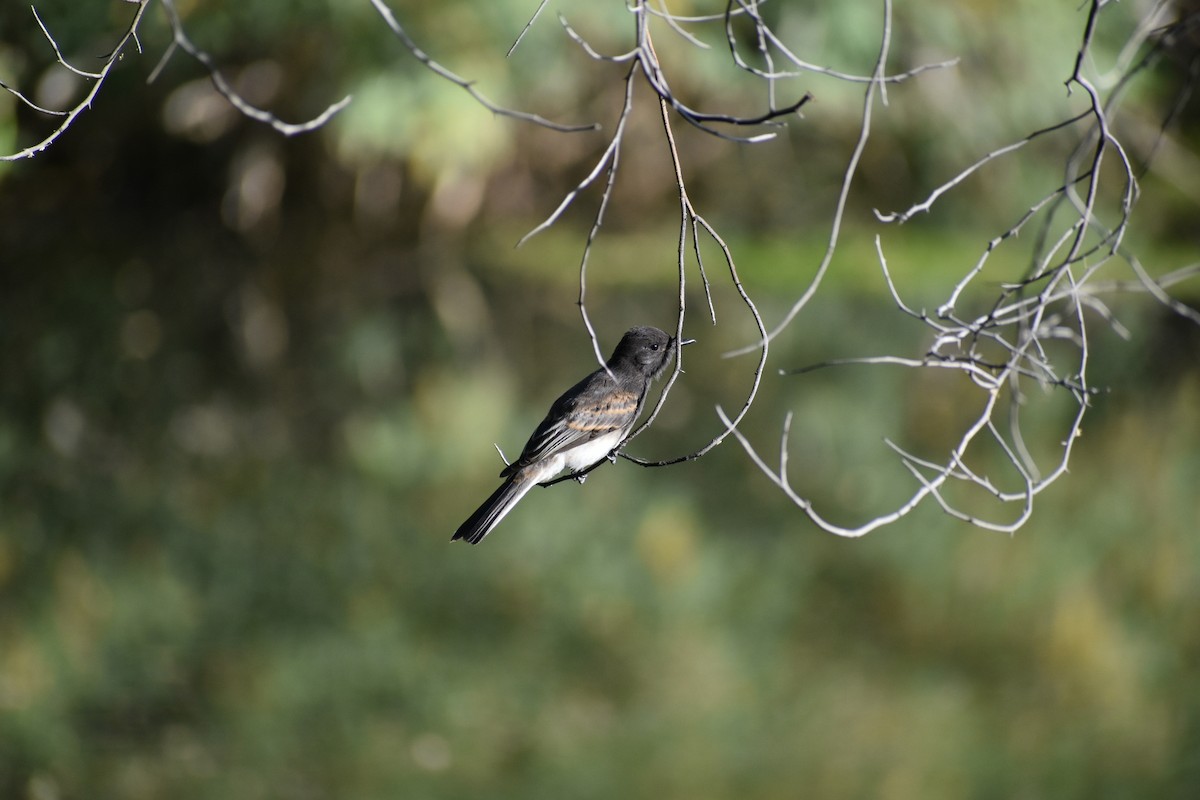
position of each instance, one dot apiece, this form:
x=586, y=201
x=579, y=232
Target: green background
x=250, y=385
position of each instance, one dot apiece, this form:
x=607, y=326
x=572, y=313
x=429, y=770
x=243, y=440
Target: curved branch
x=464, y=84
x=181, y=40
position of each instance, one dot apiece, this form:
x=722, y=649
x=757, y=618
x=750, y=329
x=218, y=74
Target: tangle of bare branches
x=1006, y=339
x=1035, y=332
x=1000, y=350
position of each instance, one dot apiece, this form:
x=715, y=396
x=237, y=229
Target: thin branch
x=613, y=157
x=957, y=180
x=226, y=90
x=58, y=53
x=17, y=94
x=525, y=30
x=465, y=85
x=807, y=67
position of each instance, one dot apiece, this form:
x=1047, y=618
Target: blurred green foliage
x=249, y=388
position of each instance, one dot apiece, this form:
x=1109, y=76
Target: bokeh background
x=249, y=387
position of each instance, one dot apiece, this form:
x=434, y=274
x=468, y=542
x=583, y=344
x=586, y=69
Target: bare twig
x=464, y=84
x=769, y=37
x=925, y=205
x=525, y=30
x=181, y=40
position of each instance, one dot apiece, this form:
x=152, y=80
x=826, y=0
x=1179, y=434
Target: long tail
x=488, y=515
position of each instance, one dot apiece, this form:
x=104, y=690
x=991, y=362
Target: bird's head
x=647, y=348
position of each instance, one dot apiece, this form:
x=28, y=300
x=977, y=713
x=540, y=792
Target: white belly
x=580, y=457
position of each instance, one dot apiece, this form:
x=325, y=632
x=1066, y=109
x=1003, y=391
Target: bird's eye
x=654, y=346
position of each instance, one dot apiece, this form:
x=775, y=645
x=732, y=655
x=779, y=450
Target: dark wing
x=590, y=408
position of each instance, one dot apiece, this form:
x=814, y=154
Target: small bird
x=582, y=427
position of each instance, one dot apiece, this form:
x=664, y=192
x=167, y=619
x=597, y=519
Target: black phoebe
x=582, y=427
